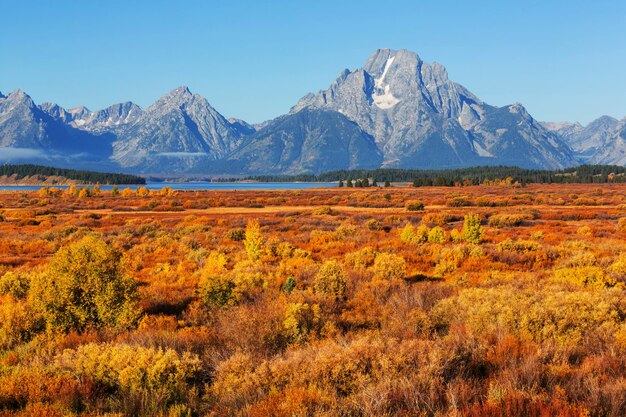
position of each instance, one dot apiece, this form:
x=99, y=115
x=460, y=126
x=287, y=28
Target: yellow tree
x=254, y=240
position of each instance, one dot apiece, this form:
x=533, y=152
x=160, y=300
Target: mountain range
x=396, y=111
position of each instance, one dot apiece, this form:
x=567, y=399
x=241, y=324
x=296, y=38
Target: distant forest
x=88, y=177
x=467, y=176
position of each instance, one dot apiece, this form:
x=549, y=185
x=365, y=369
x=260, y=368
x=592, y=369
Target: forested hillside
x=86, y=177
x=585, y=174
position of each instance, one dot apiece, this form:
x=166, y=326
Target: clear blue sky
x=564, y=60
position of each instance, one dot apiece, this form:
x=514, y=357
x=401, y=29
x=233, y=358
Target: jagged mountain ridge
x=395, y=111
x=27, y=132
x=422, y=119
x=312, y=140
x=602, y=141
x=180, y=132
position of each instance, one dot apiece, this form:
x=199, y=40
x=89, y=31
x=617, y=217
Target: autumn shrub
x=437, y=235
x=389, y=266
x=567, y=318
x=346, y=231
x=593, y=276
x=394, y=220
x=374, y=224
x=345, y=372
x=414, y=205
x=248, y=281
x=508, y=220
x=16, y=285
x=414, y=235
x=301, y=319
x=618, y=267
x=324, y=211
x=459, y=202
x=159, y=378
x=217, y=291
x=621, y=224
x=519, y=246
x=214, y=264
x=440, y=218
x=361, y=259
x=449, y=259
x=18, y=324
x=236, y=235
x=85, y=287
x=39, y=390
x=456, y=236
x=472, y=230
x=330, y=280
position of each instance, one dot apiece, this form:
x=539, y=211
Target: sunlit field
x=436, y=301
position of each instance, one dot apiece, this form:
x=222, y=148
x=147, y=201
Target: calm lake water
x=200, y=185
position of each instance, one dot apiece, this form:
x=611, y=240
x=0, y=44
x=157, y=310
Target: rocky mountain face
x=180, y=132
x=422, y=119
x=395, y=111
x=113, y=118
x=600, y=142
x=311, y=140
x=29, y=133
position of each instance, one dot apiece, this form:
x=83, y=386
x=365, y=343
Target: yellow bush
x=85, y=286
x=214, y=264
x=437, y=235
x=563, y=317
x=414, y=235
x=361, y=259
x=508, y=220
x=330, y=280
x=324, y=211
x=217, y=291
x=300, y=320
x=18, y=323
x=585, y=275
x=16, y=285
x=414, y=205
x=518, y=246
x=127, y=192
x=160, y=376
x=389, y=266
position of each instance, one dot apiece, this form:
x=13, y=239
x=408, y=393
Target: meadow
x=489, y=300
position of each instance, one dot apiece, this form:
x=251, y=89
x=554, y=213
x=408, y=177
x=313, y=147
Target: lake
x=198, y=186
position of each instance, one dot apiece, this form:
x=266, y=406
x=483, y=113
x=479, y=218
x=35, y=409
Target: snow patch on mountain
x=382, y=97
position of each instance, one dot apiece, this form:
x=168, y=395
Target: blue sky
x=564, y=60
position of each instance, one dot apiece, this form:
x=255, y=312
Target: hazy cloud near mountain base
x=182, y=154
x=12, y=154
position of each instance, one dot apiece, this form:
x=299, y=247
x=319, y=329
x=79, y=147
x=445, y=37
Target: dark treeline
x=467, y=176
x=88, y=177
